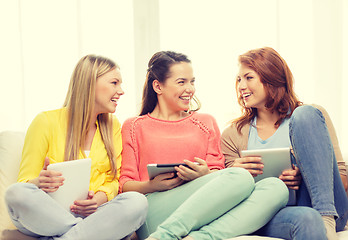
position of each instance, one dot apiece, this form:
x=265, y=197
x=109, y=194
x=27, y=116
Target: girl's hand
x=292, y=178
x=253, y=164
x=194, y=171
x=49, y=180
x=85, y=207
x=165, y=181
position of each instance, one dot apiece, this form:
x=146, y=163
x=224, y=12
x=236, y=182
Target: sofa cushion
x=11, y=144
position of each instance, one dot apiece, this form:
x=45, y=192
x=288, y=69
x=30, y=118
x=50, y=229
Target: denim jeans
x=321, y=188
x=36, y=214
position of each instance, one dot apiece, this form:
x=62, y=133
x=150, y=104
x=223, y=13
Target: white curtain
x=41, y=41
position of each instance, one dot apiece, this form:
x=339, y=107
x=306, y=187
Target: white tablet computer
x=275, y=161
x=77, y=175
x=155, y=169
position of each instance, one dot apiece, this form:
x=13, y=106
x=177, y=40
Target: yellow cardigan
x=46, y=137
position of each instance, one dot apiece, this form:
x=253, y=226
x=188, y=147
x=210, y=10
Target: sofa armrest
x=11, y=144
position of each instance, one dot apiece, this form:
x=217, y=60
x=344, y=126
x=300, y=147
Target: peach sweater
x=150, y=140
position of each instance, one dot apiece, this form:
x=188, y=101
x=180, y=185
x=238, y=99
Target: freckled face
x=108, y=91
x=250, y=88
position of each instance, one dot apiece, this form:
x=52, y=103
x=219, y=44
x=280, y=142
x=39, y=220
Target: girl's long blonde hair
x=80, y=101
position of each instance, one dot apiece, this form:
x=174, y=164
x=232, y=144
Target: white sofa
x=11, y=144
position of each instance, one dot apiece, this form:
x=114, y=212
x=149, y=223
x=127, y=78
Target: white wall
x=41, y=41
x=213, y=34
x=309, y=34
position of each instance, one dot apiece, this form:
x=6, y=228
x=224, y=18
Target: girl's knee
x=305, y=113
x=276, y=188
x=135, y=203
x=239, y=176
x=306, y=215
x=240, y=173
x=16, y=193
x=135, y=198
x=309, y=220
x=302, y=222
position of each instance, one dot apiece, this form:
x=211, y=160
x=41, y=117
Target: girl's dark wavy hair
x=159, y=69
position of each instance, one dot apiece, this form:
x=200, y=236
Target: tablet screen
x=156, y=169
x=275, y=161
x=77, y=175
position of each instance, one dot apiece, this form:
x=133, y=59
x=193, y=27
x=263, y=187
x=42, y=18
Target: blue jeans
x=36, y=214
x=321, y=188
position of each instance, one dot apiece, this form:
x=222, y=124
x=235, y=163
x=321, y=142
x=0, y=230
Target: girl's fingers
x=49, y=189
x=244, y=160
x=255, y=172
x=294, y=187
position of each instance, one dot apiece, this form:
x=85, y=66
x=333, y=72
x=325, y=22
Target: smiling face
x=107, y=91
x=176, y=92
x=250, y=88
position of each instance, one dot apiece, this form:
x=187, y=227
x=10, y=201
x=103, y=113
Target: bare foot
x=188, y=238
x=134, y=236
